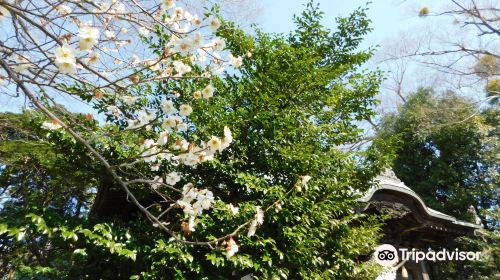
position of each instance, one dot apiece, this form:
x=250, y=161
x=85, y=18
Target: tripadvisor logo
x=387, y=255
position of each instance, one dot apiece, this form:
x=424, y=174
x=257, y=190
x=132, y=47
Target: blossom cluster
x=105, y=47
x=98, y=34
x=186, y=39
x=258, y=220
x=194, y=201
x=188, y=153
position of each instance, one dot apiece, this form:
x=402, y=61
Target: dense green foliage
x=295, y=103
x=448, y=154
x=296, y=100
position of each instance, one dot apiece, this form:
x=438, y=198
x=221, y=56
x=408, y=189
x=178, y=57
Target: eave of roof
x=385, y=183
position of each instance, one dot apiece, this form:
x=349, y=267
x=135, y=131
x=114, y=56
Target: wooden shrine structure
x=412, y=224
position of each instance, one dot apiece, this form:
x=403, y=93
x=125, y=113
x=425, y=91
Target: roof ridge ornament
x=389, y=174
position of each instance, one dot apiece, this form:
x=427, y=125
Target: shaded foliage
x=448, y=154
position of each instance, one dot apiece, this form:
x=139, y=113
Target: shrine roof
x=388, y=181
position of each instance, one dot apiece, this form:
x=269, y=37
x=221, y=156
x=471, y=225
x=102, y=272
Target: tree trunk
x=111, y=201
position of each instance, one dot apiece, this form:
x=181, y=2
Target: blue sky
x=389, y=18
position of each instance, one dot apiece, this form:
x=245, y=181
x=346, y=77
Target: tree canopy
x=448, y=154
x=284, y=191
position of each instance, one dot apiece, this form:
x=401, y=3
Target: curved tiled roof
x=388, y=181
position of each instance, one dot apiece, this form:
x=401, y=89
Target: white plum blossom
x=208, y=91
x=153, y=65
x=218, y=44
x=143, y=118
x=189, y=225
x=186, y=206
x=189, y=192
x=94, y=42
x=181, y=68
x=113, y=110
x=202, y=199
x=205, y=199
x=197, y=94
x=192, y=223
x=236, y=61
x=89, y=37
x=189, y=159
x=259, y=216
x=203, y=155
x=119, y=8
x=227, y=139
x=218, y=69
x=171, y=122
x=143, y=31
x=109, y=34
x=188, y=16
x=234, y=210
x=185, y=110
x=182, y=127
x=167, y=72
x=65, y=59
x=51, y=125
x=278, y=206
x=135, y=59
x=197, y=40
x=129, y=100
x=93, y=59
x=63, y=9
x=258, y=220
x=182, y=28
x=22, y=64
x=150, y=155
x=214, y=143
x=166, y=156
x=196, y=21
x=179, y=13
x=155, y=167
x=183, y=46
x=253, y=228
x=162, y=138
x=147, y=144
x=168, y=107
x=304, y=179
x=103, y=7
x=157, y=182
x=231, y=247
x=214, y=23
x=172, y=178
x=132, y=124
x=182, y=145
x=167, y=4
x=202, y=55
